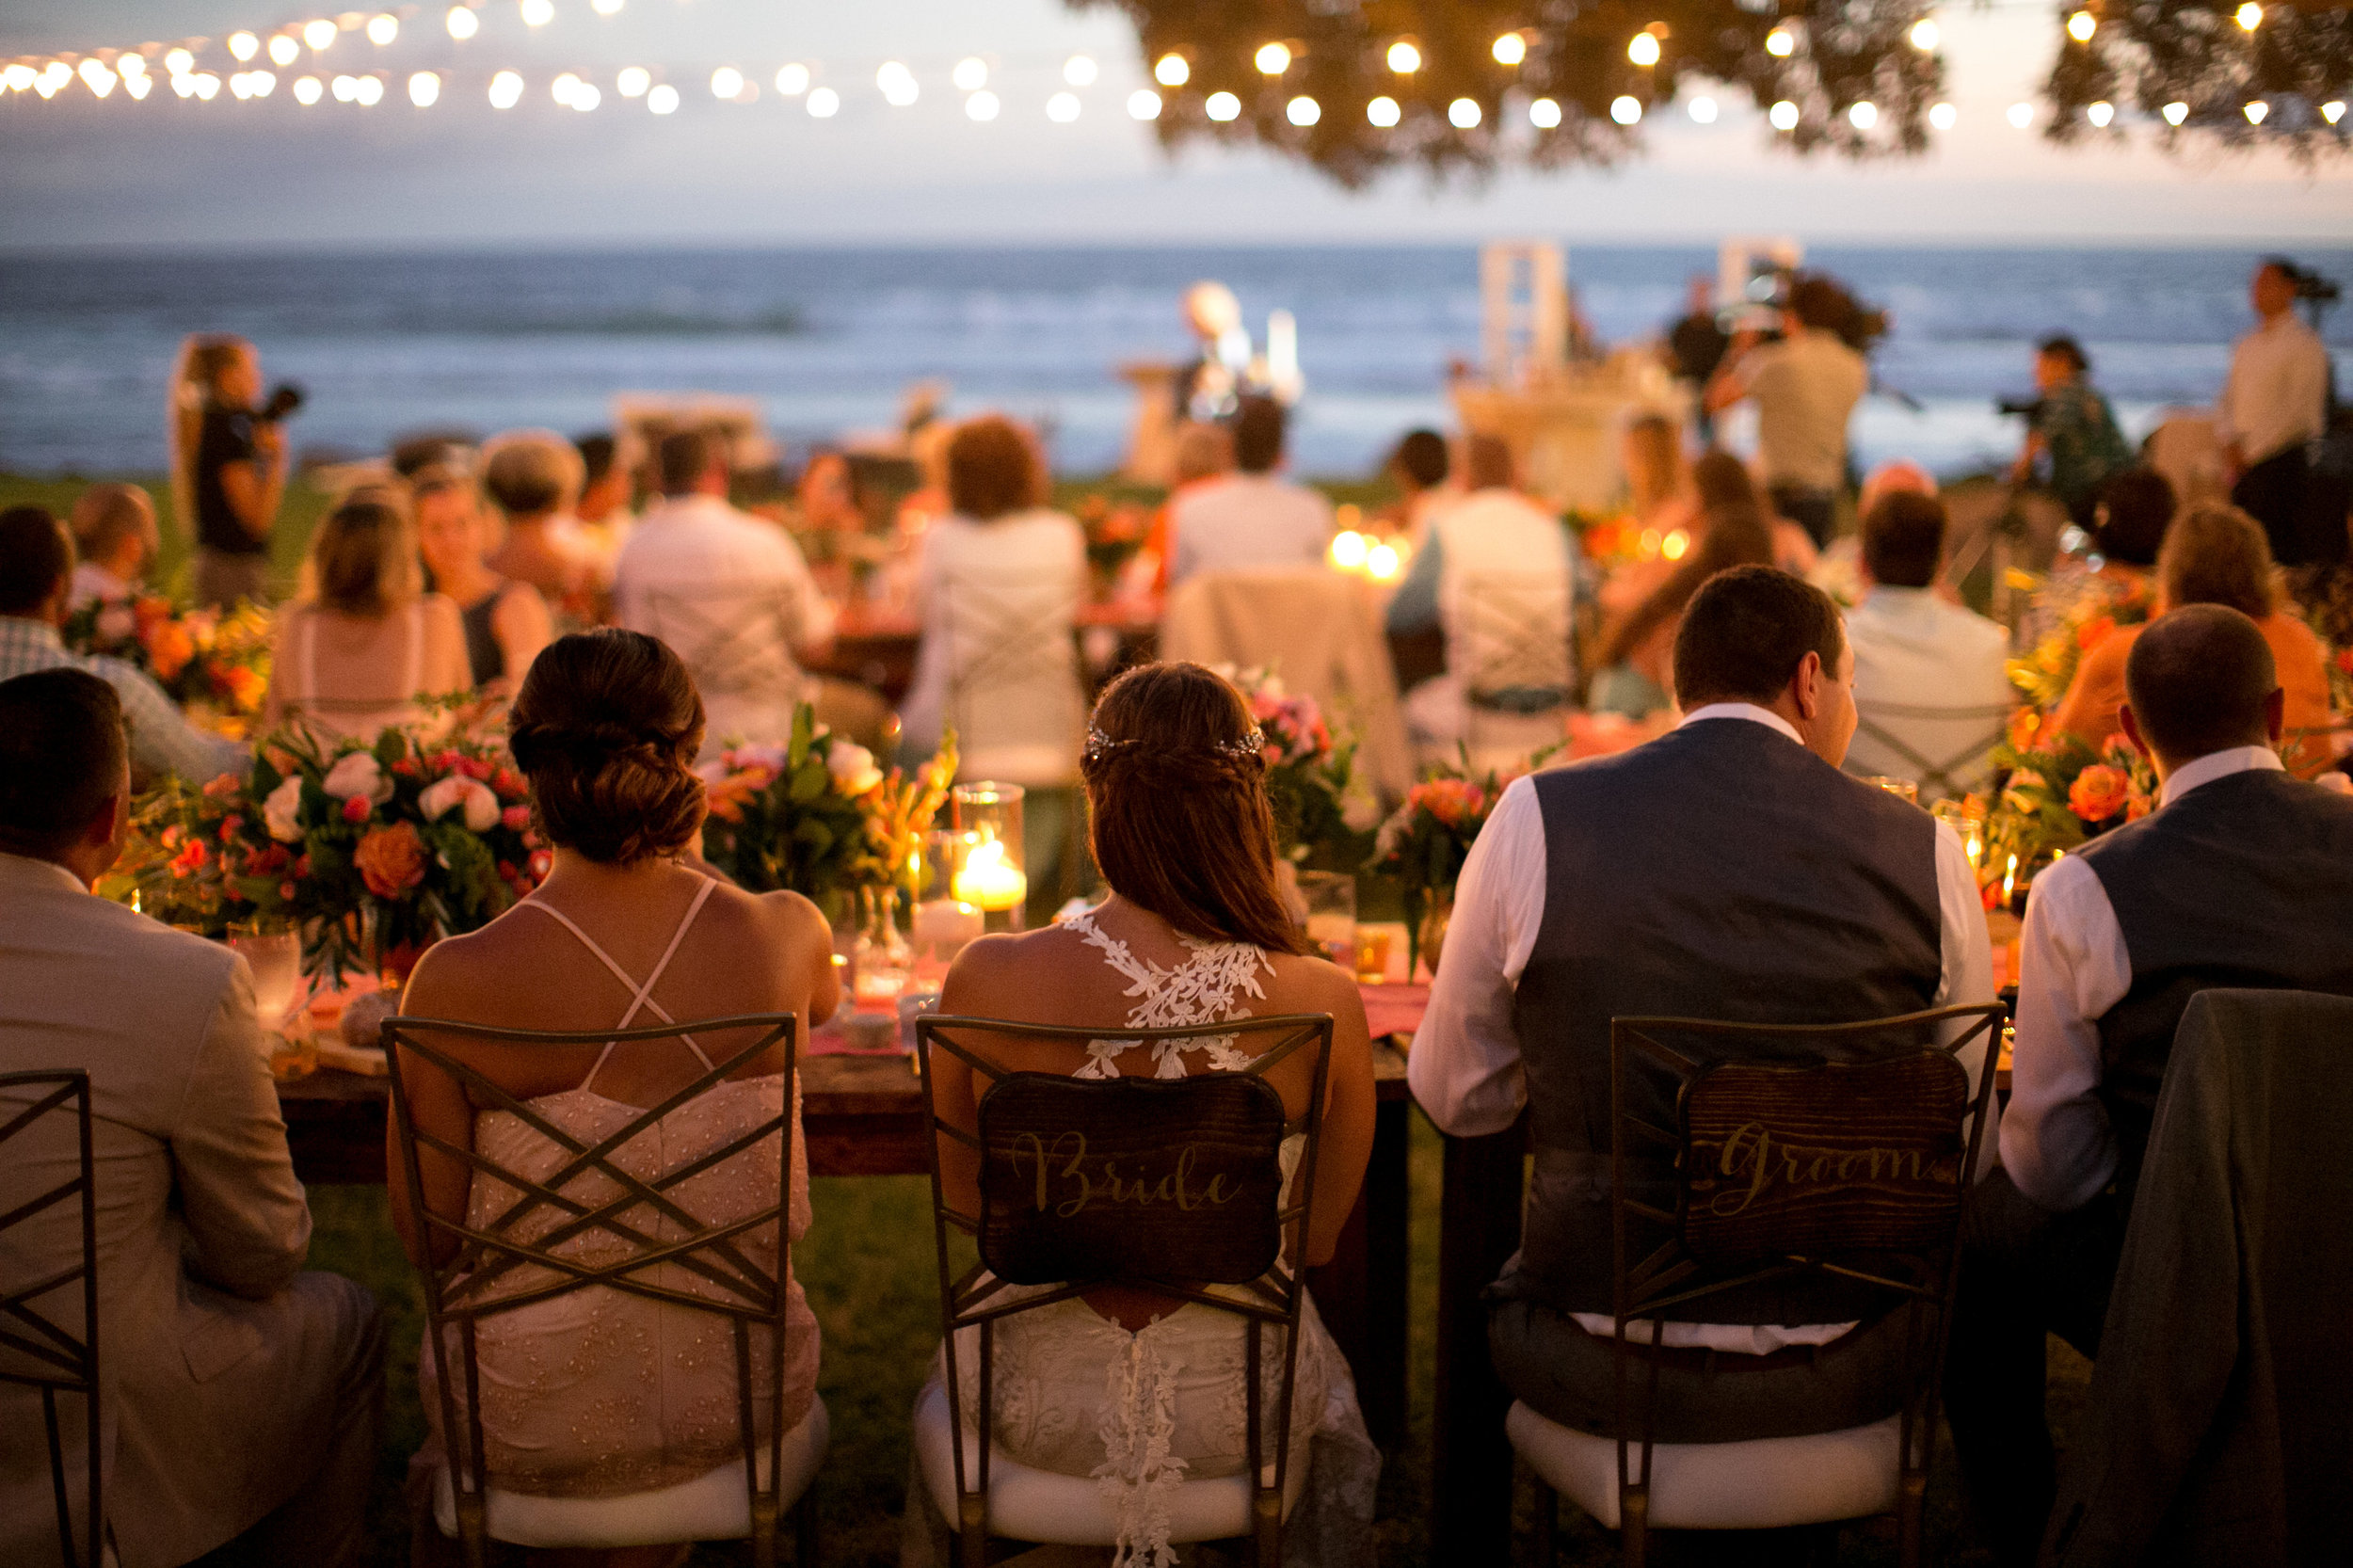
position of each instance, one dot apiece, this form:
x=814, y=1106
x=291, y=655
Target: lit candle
x=987, y=882
x=945, y=923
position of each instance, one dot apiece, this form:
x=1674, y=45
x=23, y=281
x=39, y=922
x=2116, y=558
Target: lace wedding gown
x=1079, y=1394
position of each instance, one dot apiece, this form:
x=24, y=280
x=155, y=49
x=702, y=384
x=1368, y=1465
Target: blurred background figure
x=2073, y=443
x=1634, y=674
x=115, y=542
x=2274, y=404
x=1252, y=517
x=1419, y=467
x=228, y=465
x=534, y=478
x=506, y=622
x=1695, y=348
x=607, y=489
x=1806, y=386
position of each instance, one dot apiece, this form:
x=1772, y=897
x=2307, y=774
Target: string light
x=1510, y=49
x=346, y=88
x=982, y=106
x=1782, y=116
x=1544, y=113
x=1273, y=60
x=19, y=77
x=370, y=91
x=244, y=45
x=2256, y=109
x=2332, y=110
x=1924, y=34
x=538, y=13
x=1062, y=107
x=663, y=99
x=2100, y=113
x=1303, y=110
x=1462, y=114
x=1944, y=117
x=1626, y=109
x=506, y=90
x=2081, y=25
x=1384, y=113
x=1780, y=43
x=726, y=82
x=382, y=29
x=562, y=88
x=1644, y=50
x=2175, y=112
x=1703, y=111
x=319, y=35
x=1170, y=71
x=970, y=74
x=179, y=62
x=606, y=7
x=1404, y=58
x=587, y=97
x=462, y=23
x=633, y=81
x=823, y=103
x=425, y=90
x=283, y=48
x=96, y=78
x=898, y=84
x=2251, y=16
x=1078, y=70
x=1222, y=107
x=207, y=85
x=792, y=80
x=2021, y=116
x=1863, y=115
x=1144, y=103
x=308, y=90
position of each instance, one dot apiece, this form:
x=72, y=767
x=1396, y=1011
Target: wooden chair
x=38, y=1351
x=747, y=1498
x=1207, y=1128
x=1842, y=1151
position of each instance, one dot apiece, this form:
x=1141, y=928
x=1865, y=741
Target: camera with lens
x=284, y=400
x=2028, y=408
x=2309, y=286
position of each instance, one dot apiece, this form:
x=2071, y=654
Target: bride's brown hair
x=1178, y=809
x=607, y=728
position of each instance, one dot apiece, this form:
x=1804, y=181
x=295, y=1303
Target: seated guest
x=603, y=512
x=1250, y=517
x=534, y=477
x=729, y=593
x=1194, y=930
x=2243, y=876
x=2215, y=555
x=1929, y=682
x=1498, y=574
x=35, y=581
x=2121, y=549
x=610, y=1393
x=115, y=543
x=506, y=622
x=1633, y=671
x=365, y=647
x=1205, y=453
x=244, y=1398
x=1420, y=468
x=1727, y=871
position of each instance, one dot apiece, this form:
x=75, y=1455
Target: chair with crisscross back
x=1959, y=769
x=1010, y=657
x=522, y=1257
x=37, y=1350
x=1511, y=642
x=737, y=637
x=1842, y=1152
x=1057, y=1213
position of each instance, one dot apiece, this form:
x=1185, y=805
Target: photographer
x=2070, y=431
x=228, y=464
x=2274, y=404
x=1806, y=386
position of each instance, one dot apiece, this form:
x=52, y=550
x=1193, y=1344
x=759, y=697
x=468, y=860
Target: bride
x=1140, y=1390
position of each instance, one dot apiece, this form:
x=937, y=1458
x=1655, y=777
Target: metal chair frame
x=454, y=1291
x=1508, y=618
x=66, y=1365
x=1276, y=1297
x=1012, y=641
x=737, y=640
x=1932, y=772
x=1669, y=1276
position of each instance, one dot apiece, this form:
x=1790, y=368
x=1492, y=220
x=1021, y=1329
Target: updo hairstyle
x=607, y=728
x=1177, y=811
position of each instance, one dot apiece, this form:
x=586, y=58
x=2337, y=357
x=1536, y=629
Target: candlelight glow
x=987, y=880
x=1404, y=58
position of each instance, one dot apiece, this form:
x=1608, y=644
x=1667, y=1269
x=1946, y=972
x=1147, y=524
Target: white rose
x=479, y=803
x=853, y=767
x=281, y=813
x=356, y=774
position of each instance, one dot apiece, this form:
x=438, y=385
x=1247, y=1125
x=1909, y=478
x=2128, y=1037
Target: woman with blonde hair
x=227, y=466
x=506, y=622
x=365, y=646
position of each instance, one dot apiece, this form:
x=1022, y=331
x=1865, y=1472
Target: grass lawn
x=305, y=504
x=867, y=1269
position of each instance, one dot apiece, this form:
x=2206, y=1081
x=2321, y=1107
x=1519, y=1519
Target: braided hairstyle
x=1178, y=809
x=607, y=728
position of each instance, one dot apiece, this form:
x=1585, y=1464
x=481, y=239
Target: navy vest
x=2245, y=881
x=1722, y=871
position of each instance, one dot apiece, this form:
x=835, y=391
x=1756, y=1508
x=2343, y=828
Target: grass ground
x=304, y=506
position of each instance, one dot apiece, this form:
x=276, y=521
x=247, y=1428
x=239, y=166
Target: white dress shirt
x=1246, y=520
x=2277, y=392
x=2057, y=1144
x=1805, y=388
x=1928, y=683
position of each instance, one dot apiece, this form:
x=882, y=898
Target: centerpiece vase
x=1430, y=934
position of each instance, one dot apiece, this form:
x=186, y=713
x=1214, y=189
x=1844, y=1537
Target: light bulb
x=370, y=91
x=663, y=99
x=319, y=34
x=1626, y=109
x=726, y=82
x=183, y=85
x=633, y=81
x=308, y=90
x=1348, y=550
x=823, y=103
x=1078, y=70
x=1404, y=58
x=538, y=13
x=1303, y=110
x=1062, y=107
x=1782, y=116
x=178, y=62
x=1510, y=49
x=1464, y=113
x=2256, y=109
x=1544, y=113
x=1144, y=103
x=1863, y=115
x=1642, y=50
x=260, y=83
x=1780, y=43
x=382, y=29
x=283, y=48
x=970, y=74
x=506, y=90
x=792, y=80
x=1273, y=60
x=587, y=97
x=96, y=78
x=606, y=7
x=19, y=77
x=2332, y=110
x=2100, y=114
x=244, y=45
x=2251, y=16
x=1222, y=107
x=1925, y=35
x=982, y=106
x=1703, y=111
x=1383, y=112
x=138, y=86
x=1170, y=71
x=562, y=88
x=2175, y=112
x=1944, y=117
x=462, y=23
x=424, y=89
x=208, y=86
x=346, y=88
x=2021, y=116
x=898, y=84
x=1380, y=561
x=2081, y=25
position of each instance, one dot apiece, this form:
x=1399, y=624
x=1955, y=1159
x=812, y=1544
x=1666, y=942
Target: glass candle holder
x=1902, y=789
x=985, y=868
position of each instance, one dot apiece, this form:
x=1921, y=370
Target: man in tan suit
x=243, y=1398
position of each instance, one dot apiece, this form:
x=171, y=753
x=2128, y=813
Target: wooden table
x=864, y=1116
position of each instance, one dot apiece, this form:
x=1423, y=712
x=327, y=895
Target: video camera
x=284, y=400
x=2019, y=407
x=2310, y=287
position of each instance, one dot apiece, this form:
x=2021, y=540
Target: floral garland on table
x=1424, y=843
x=373, y=850
x=214, y=663
x=2059, y=794
x=2102, y=606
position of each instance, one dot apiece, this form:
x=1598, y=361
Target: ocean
x=827, y=339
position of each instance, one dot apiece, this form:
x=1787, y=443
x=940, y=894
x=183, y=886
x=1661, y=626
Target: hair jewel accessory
x=1100, y=745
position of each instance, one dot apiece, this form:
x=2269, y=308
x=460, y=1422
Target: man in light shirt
x=2274, y=404
x=1929, y=680
x=2242, y=877
x=1250, y=517
x=1805, y=388
x=1726, y=870
x=730, y=593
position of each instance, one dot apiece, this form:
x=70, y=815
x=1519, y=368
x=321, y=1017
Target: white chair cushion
x=1071, y=1511
x=1763, y=1484
x=711, y=1507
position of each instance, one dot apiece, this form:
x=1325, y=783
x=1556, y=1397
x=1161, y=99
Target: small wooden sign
x=1131, y=1178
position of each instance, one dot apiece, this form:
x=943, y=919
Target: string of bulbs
x=103, y=70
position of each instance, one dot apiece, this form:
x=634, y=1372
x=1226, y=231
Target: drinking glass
x=274, y=957
x=1902, y=789
x=1331, y=898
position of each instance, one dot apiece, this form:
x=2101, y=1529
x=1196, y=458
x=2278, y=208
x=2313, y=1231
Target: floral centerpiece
x=214, y=664
x=2059, y=794
x=1424, y=843
x=373, y=850
x=2086, y=621
x=1308, y=772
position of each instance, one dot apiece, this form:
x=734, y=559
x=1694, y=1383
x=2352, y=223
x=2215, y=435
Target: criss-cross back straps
x=641, y=996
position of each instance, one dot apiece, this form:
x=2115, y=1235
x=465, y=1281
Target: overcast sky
x=169, y=174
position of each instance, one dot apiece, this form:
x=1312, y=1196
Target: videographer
x=228, y=464
x=2275, y=405
x=2070, y=431
x=1806, y=386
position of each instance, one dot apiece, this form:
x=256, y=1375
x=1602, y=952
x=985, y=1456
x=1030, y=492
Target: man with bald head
x=2243, y=876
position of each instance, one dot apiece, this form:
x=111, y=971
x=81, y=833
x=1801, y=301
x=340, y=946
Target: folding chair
x=1839, y=1151
x=1039, y=1134
x=769, y=1475
x=35, y=1350
x=1511, y=639
x=1009, y=635
x=737, y=638
x=1937, y=779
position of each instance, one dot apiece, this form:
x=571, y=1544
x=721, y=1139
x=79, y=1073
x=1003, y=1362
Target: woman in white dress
x=1136, y=1388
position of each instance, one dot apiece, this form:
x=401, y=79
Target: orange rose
x=2099, y=792
x=2025, y=725
x=244, y=687
x=169, y=650
x=391, y=860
